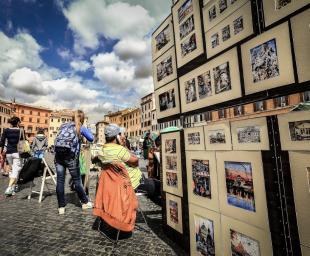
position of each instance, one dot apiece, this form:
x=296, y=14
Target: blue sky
x=93, y=55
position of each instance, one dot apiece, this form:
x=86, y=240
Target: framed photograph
x=212, y=13
x=190, y=90
x=205, y=231
x=215, y=40
x=240, y=243
x=201, y=178
x=172, y=179
x=261, y=72
x=188, y=46
x=171, y=163
x=238, y=25
x=187, y=27
x=164, y=68
x=185, y=9
x=225, y=33
x=242, y=186
x=218, y=136
x=174, y=212
x=222, y=81
x=171, y=146
x=204, y=85
x=250, y=134
x=162, y=39
x=194, y=138
x=222, y=5
x=167, y=100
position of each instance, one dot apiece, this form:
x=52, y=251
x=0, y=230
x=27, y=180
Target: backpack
x=67, y=140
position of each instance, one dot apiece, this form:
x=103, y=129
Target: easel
x=87, y=158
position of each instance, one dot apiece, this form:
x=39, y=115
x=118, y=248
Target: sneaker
x=61, y=210
x=89, y=205
x=9, y=191
x=1, y=170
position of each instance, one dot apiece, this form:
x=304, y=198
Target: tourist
x=39, y=144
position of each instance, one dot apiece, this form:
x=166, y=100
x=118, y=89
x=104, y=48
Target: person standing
x=147, y=143
x=39, y=143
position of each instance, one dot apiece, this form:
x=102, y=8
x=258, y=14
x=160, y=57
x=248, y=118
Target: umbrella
x=302, y=106
x=170, y=129
x=153, y=134
x=132, y=139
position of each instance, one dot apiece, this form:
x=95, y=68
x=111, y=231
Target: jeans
x=72, y=163
x=39, y=154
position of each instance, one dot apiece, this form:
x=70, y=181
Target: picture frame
x=172, y=168
x=219, y=92
x=194, y=138
x=253, y=240
x=241, y=27
x=293, y=128
x=172, y=102
x=301, y=32
x=256, y=77
x=174, y=212
x=218, y=136
x=247, y=204
x=164, y=68
x=300, y=166
x=272, y=15
x=250, y=134
x=197, y=191
x=199, y=217
x=305, y=250
x=162, y=38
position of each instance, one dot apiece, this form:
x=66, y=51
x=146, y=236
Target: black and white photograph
x=238, y=25
x=225, y=33
x=166, y=100
x=249, y=134
x=190, y=91
x=215, y=40
x=222, y=80
x=185, y=9
x=222, y=5
x=204, y=85
x=188, y=45
x=193, y=138
x=162, y=38
x=212, y=13
x=281, y=3
x=187, y=27
x=201, y=178
x=299, y=130
x=217, y=137
x=264, y=61
x=164, y=68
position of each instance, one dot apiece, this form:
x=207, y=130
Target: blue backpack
x=67, y=140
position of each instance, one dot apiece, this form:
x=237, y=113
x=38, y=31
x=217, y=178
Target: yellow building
x=147, y=105
x=131, y=121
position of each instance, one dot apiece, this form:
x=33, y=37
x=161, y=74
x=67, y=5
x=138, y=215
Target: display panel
x=218, y=81
x=194, y=138
x=174, y=212
x=267, y=63
x=218, y=136
x=305, y=251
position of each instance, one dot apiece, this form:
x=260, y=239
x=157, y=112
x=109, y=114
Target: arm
x=87, y=133
x=2, y=142
x=129, y=158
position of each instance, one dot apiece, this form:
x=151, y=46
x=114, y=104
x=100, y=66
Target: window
x=57, y=128
x=38, y=120
x=136, y=114
x=148, y=123
x=1, y=109
x=238, y=110
x=195, y=118
x=101, y=125
x=52, y=120
x=30, y=112
x=46, y=115
x=22, y=118
x=153, y=116
x=136, y=133
x=30, y=119
x=130, y=117
x=202, y=118
x=22, y=111
x=307, y=95
x=124, y=118
x=139, y=132
x=46, y=121
x=29, y=128
x=58, y=120
x=130, y=122
x=4, y=120
x=9, y=112
x=51, y=135
x=0, y=119
x=38, y=113
x=259, y=106
x=209, y=116
x=145, y=116
x=222, y=113
x=68, y=119
x=149, y=106
x=5, y=111
x=29, y=135
x=149, y=114
x=283, y=101
x=51, y=128
x=45, y=129
x=63, y=120
x=100, y=136
x=37, y=128
x=136, y=121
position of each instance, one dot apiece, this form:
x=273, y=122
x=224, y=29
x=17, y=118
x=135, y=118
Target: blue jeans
x=72, y=163
x=39, y=154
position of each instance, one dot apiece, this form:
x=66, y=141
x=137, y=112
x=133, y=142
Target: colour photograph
x=171, y=163
x=166, y=100
x=221, y=76
x=193, y=138
x=163, y=38
x=187, y=27
x=174, y=211
x=204, y=230
x=185, y=9
x=215, y=40
x=164, y=68
x=249, y=134
x=172, y=179
x=212, y=13
x=222, y=5
x=299, y=130
x=282, y=3
x=308, y=176
x=239, y=184
x=188, y=45
x=264, y=61
x=170, y=146
x=217, y=137
x=238, y=25
x=190, y=91
x=204, y=85
x=201, y=178
x=242, y=245
x=226, y=33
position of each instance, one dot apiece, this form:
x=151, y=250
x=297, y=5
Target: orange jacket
x=116, y=202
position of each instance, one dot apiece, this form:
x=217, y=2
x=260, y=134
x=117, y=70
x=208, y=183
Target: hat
x=112, y=130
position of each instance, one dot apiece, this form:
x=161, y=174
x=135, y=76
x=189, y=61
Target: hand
x=123, y=141
x=88, y=125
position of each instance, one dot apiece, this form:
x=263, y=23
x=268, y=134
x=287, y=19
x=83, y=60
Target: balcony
x=30, y=131
x=146, y=100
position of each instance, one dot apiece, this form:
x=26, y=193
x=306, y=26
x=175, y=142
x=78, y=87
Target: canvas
x=264, y=61
x=172, y=179
x=188, y=45
x=204, y=231
x=299, y=130
x=217, y=137
x=215, y=40
x=242, y=245
x=171, y=163
x=222, y=81
x=174, y=213
x=281, y=3
x=162, y=38
x=170, y=146
x=239, y=185
x=249, y=134
x=187, y=27
x=222, y=5
x=166, y=100
x=193, y=138
x=238, y=25
x=190, y=91
x=185, y=9
x=226, y=33
x=201, y=178
x=164, y=68
x=204, y=85
x=212, y=13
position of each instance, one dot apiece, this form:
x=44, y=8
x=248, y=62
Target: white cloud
x=131, y=49
x=79, y=65
x=64, y=53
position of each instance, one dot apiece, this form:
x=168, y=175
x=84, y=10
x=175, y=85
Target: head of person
x=111, y=131
x=78, y=118
x=14, y=121
x=147, y=136
x=40, y=131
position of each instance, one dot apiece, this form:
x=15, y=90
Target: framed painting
x=174, y=212
x=194, y=138
x=217, y=136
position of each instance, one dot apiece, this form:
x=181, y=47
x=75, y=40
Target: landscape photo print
x=164, y=68
x=204, y=231
x=166, y=100
x=162, y=38
x=222, y=81
x=204, y=85
x=249, y=134
x=201, y=178
x=299, y=130
x=242, y=245
x=217, y=137
x=185, y=9
x=188, y=45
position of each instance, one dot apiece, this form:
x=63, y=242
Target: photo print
x=264, y=61
x=187, y=27
x=188, y=45
x=239, y=185
x=215, y=41
x=166, y=100
x=194, y=138
x=172, y=179
x=164, y=68
x=173, y=206
x=226, y=33
x=281, y=3
x=204, y=85
x=190, y=91
x=233, y=1
x=217, y=137
x=212, y=13
x=185, y=9
x=204, y=230
x=171, y=163
x=308, y=176
x=170, y=146
x=201, y=178
x=222, y=5
x=162, y=38
x=238, y=25
x=242, y=245
x=221, y=76
x=299, y=130
x=249, y=134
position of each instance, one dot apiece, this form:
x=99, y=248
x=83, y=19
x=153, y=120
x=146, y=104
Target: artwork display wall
x=174, y=212
x=194, y=138
x=218, y=136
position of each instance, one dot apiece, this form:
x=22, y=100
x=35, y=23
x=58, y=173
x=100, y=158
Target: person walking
x=39, y=143
x=147, y=143
x=67, y=147
x=12, y=135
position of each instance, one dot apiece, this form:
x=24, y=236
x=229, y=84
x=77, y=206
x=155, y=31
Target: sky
x=93, y=55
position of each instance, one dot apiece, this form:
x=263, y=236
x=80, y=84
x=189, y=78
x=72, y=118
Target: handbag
x=23, y=147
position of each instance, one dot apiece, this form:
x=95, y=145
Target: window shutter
x=275, y=102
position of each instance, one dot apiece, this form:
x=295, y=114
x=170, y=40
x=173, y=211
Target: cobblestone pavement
x=30, y=228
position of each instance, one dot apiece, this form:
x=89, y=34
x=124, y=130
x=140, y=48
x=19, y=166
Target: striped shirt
x=12, y=136
x=115, y=153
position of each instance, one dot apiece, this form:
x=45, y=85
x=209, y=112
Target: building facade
x=132, y=122
x=5, y=115
x=99, y=137
x=147, y=106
